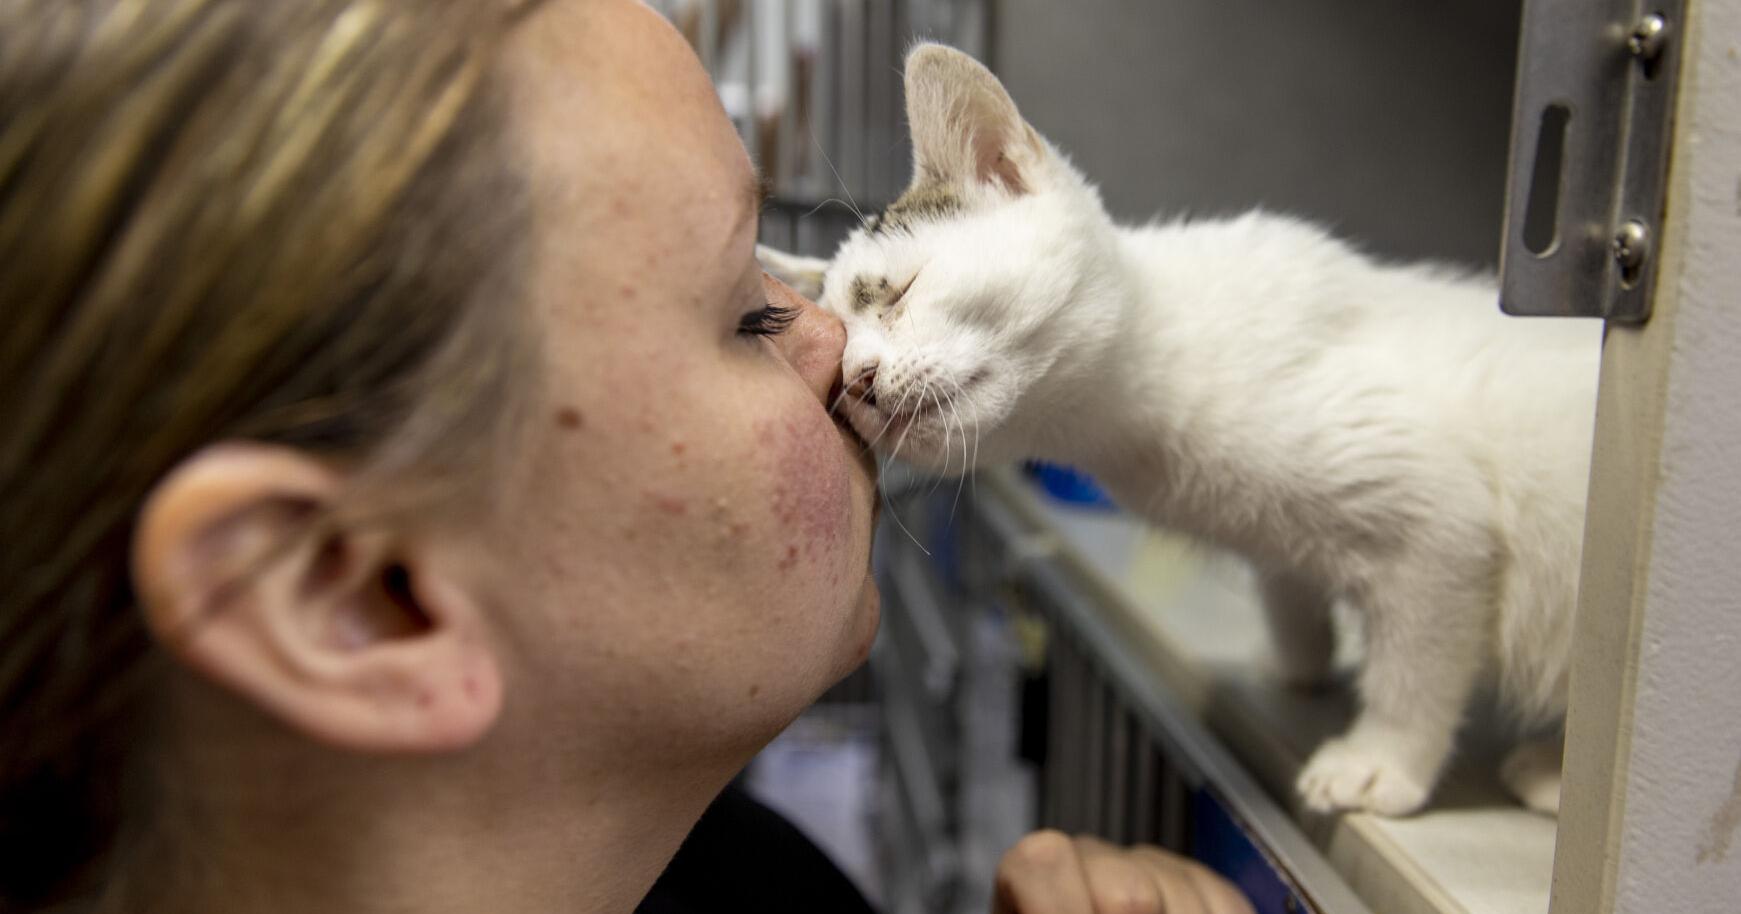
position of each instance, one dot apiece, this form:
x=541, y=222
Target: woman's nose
x=814, y=341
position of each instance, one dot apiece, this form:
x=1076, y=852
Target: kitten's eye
x=903, y=290
x=771, y=320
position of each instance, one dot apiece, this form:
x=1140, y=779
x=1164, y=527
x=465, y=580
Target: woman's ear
x=966, y=129
x=357, y=637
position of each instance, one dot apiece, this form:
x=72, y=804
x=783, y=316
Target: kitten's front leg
x=1532, y=773
x=1302, y=641
x=1424, y=647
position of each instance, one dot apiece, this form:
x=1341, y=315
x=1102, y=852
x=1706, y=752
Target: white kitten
x=1375, y=433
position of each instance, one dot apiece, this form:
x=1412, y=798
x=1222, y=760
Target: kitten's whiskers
x=889, y=421
x=895, y=515
x=845, y=387
x=852, y=204
x=925, y=388
x=966, y=467
x=946, y=436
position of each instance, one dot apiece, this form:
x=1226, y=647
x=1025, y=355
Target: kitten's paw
x=1346, y=775
x=1532, y=773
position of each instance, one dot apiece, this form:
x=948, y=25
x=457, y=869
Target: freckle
x=754, y=689
x=738, y=528
x=569, y=418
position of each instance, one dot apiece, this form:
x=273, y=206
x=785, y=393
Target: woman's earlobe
x=353, y=636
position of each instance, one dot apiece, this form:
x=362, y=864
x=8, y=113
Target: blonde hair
x=292, y=222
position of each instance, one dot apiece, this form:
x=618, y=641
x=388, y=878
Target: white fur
x=1375, y=433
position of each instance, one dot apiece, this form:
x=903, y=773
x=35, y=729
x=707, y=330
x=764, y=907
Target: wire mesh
x=814, y=89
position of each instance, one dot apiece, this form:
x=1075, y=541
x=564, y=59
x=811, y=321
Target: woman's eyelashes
x=769, y=320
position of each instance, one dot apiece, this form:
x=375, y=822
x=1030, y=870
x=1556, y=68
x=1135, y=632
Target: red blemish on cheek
x=471, y=688
x=425, y=699
x=569, y=418
x=791, y=558
x=678, y=447
x=812, y=485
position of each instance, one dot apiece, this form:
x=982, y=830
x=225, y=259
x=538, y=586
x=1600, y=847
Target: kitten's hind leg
x=1532, y=773
x=1424, y=634
x=1302, y=641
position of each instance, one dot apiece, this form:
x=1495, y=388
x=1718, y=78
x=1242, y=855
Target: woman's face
x=687, y=534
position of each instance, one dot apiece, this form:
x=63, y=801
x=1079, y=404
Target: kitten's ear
x=965, y=127
x=801, y=273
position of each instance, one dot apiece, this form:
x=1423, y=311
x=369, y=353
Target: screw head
x=1631, y=245
x=1648, y=37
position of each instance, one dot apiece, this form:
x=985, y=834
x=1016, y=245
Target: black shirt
x=744, y=857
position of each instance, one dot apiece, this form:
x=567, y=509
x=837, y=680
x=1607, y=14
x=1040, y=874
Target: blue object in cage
x=1218, y=841
x=1068, y=485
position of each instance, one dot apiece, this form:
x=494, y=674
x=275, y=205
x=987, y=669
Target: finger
x=1172, y=877
x=1219, y=896
x=1042, y=874
x=1119, y=882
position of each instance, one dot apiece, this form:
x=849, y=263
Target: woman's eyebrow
x=761, y=188
x=755, y=196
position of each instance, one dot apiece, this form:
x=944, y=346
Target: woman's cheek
x=812, y=492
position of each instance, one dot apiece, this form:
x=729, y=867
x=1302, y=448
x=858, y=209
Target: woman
x=415, y=496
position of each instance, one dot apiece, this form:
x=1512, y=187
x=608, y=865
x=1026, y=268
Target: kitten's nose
x=863, y=387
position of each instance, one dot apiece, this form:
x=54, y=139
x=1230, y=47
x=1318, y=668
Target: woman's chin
x=864, y=622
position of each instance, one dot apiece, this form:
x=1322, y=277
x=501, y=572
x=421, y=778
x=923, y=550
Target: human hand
x=1049, y=872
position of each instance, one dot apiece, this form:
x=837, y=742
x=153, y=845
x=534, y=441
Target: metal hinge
x=1589, y=157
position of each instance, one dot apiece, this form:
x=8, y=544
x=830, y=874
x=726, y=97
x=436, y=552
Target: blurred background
x=983, y=714
x=1389, y=122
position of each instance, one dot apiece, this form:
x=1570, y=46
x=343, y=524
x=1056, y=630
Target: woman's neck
x=308, y=830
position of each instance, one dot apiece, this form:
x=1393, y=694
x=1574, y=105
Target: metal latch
x=1589, y=157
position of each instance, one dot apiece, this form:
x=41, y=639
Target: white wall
x=1681, y=840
